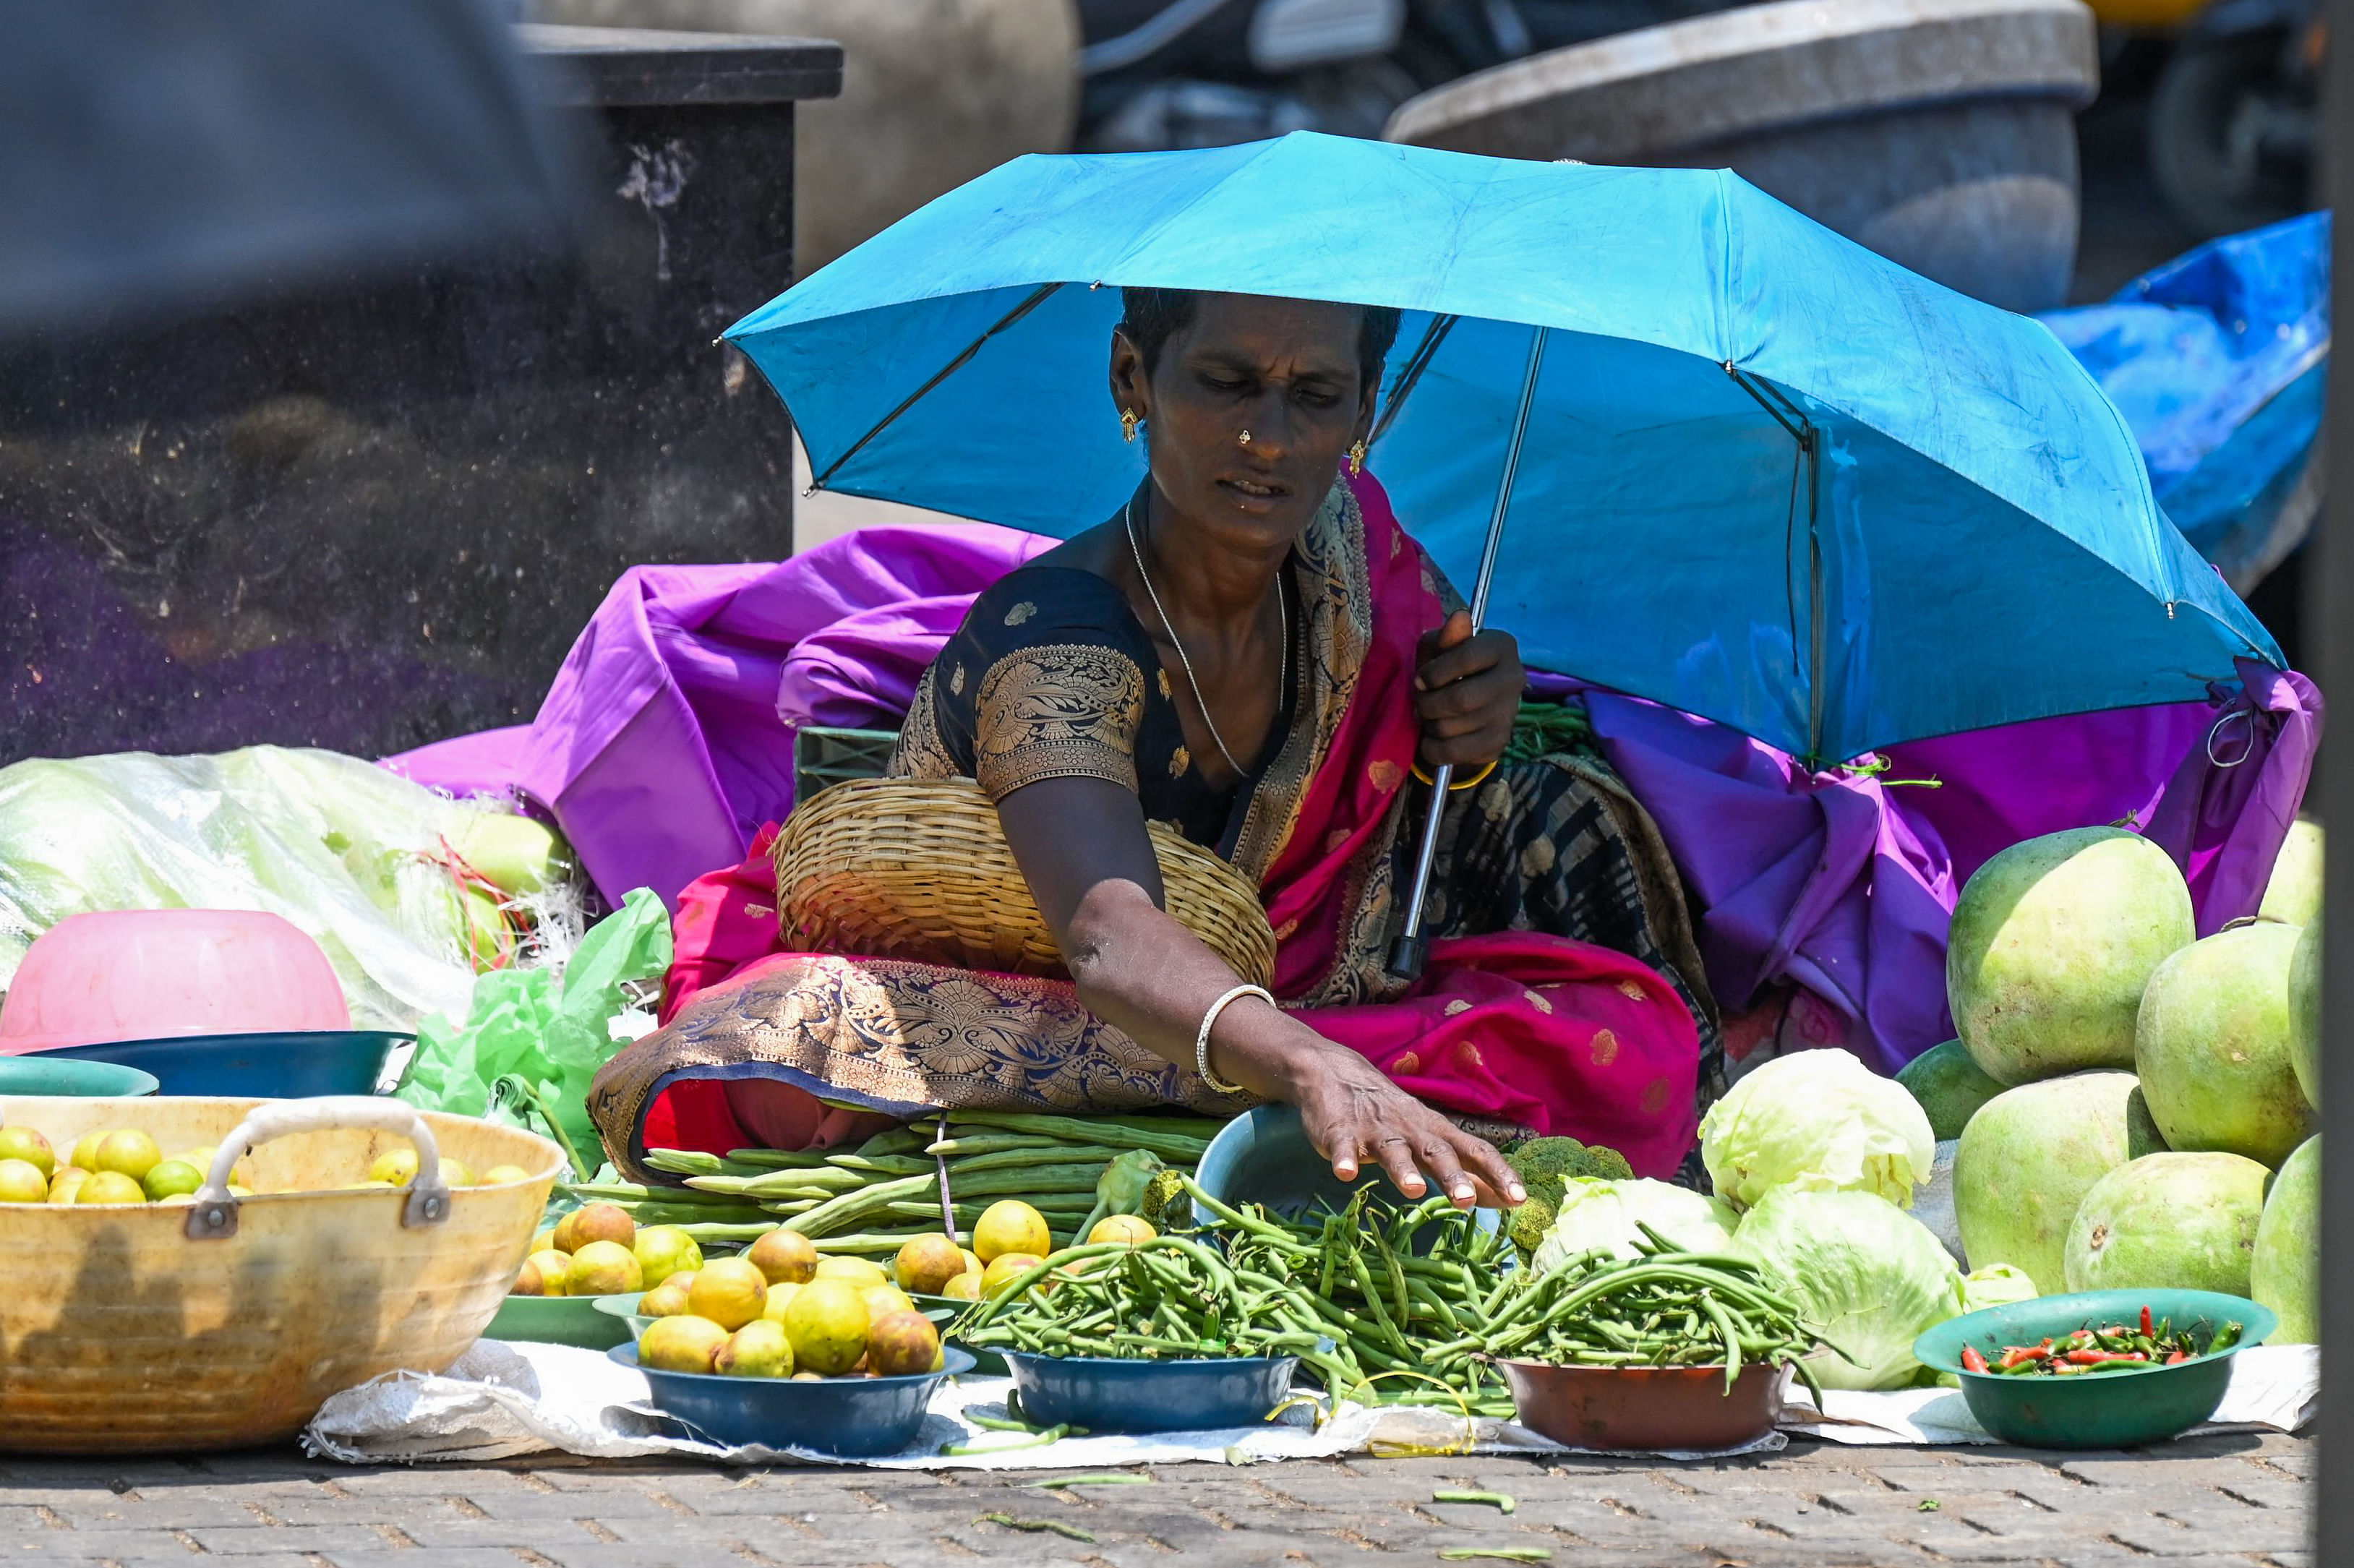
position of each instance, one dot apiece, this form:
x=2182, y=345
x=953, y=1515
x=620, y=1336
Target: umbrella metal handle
x=1412, y=948
x=214, y=1217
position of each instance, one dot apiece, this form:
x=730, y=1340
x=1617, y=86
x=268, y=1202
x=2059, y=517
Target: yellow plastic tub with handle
x=226, y=1322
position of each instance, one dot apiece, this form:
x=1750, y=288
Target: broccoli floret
x=1166, y=1205
x=1530, y=1222
x=1550, y=1162
x=1546, y=1166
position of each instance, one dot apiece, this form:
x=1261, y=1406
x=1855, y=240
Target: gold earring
x=1127, y=424
x=1245, y=435
x=1357, y=457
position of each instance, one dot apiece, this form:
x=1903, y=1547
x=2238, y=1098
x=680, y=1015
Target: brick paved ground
x=2235, y=1502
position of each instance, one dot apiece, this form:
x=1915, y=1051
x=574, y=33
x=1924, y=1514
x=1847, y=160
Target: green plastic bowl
x=63, y=1077
x=581, y=1321
x=2115, y=1410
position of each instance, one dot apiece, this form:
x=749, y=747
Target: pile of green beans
x=1403, y=1293
x=1666, y=1308
x=1170, y=1298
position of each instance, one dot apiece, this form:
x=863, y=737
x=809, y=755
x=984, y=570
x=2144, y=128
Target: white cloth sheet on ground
x=504, y=1399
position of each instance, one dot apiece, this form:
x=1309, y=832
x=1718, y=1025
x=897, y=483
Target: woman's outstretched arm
x=1082, y=845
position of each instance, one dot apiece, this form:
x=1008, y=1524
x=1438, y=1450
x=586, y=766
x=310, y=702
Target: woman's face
x=1284, y=370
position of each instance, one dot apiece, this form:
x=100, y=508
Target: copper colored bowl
x=1646, y=1408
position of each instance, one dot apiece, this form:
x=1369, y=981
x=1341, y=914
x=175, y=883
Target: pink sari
x=1520, y=1028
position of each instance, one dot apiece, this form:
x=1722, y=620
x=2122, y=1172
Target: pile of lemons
x=124, y=1165
x=781, y=1310
x=598, y=1250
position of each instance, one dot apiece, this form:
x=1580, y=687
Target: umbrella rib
x=1786, y=413
x=950, y=368
x=1411, y=373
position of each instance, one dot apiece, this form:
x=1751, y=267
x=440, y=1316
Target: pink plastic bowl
x=146, y=974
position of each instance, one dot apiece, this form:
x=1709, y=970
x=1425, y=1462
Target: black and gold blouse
x=1052, y=676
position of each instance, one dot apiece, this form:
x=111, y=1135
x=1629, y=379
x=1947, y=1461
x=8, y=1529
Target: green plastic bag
x=533, y=1039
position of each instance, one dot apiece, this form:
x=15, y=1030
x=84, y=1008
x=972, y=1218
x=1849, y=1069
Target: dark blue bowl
x=1104, y=1394
x=852, y=1416
x=289, y=1065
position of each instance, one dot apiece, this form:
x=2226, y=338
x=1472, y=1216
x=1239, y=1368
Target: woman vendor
x=1253, y=651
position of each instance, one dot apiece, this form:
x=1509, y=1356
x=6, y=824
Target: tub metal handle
x=213, y=1215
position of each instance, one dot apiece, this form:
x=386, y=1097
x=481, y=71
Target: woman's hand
x=1355, y=1115
x=1467, y=690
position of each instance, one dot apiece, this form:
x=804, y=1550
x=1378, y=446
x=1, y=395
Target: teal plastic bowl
x=63, y=1077
x=582, y=1320
x=1263, y=1156
x=2115, y=1410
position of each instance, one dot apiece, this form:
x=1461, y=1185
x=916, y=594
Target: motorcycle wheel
x=2215, y=178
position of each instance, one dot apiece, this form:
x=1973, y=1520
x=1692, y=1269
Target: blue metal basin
x=1103, y=1394
x=847, y=1415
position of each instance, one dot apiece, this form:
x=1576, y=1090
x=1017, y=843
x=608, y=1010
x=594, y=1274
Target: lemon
x=454, y=1173
x=759, y=1349
x=827, y=1324
x=24, y=1143
x=398, y=1166
x=927, y=1263
x=530, y=1281
x=900, y=1344
x=1126, y=1228
x=85, y=1154
x=855, y=1271
x=500, y=1175
x=665, y=1250
x=962, y=1287
x=668, y=1299
x=1010, y=1225
x=171, y=1179
x=131, y=1154
x=884, y=1300
x=109, y=1187
x=552, y=1267
x=972, y=1264
x=780, y=1298
x=1003, y=1267
x=787, y=1258
x=602, y=1268
x=545, y=1241
x=593, y=1222
x=682, y=1344
x=729, y=1291
x=65, y=1183
x=21, y=1181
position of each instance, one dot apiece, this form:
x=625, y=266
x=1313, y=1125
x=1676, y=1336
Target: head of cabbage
x=1865, y=1275
x=1817, y=1119
x=1606, y=1215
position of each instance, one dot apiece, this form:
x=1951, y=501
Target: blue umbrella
x=1763, y=474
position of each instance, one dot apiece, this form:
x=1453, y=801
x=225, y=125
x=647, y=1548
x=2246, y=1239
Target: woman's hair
x=1155, y=315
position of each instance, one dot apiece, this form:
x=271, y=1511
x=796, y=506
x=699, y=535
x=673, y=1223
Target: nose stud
x=1245, y=435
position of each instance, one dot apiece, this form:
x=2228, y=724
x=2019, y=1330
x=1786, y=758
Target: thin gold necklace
x=1283, y=610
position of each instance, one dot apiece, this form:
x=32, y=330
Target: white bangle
x=1209, y=1020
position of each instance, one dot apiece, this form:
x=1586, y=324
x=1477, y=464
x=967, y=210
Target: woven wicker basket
x=918, y=868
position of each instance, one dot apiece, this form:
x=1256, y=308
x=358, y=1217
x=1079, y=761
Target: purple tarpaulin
x=667, y=740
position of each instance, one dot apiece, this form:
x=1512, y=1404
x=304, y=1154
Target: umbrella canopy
x=1767, y=476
